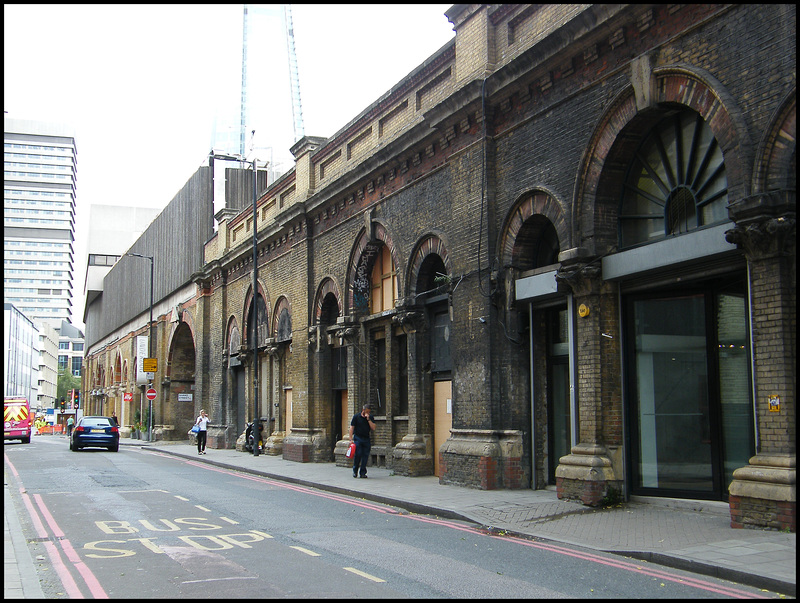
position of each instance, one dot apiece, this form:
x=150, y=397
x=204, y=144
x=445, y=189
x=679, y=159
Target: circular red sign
x=151, y=394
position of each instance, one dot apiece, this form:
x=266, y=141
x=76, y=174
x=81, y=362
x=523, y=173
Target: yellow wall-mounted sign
x=774, y=404
x=150, y=365
x=583, y=310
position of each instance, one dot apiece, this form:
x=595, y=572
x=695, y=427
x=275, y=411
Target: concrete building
x=118, y=293
x=559, y=253
x=39, y=204
x=20, y=354
x=70, y=349
x=48, y=365
x=112, y=231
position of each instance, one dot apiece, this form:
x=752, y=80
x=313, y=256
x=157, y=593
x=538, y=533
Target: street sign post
x=150, y=394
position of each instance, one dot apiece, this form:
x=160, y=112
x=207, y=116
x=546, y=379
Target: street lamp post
x=149, y=340
x=256, y=430
x=256, y=425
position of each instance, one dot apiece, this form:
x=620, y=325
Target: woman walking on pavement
x=202, y=426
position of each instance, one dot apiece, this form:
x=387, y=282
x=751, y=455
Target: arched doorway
x=236, y=381
x=178, y=404
x=536, y=232
x=686, y=342
x=433, y=293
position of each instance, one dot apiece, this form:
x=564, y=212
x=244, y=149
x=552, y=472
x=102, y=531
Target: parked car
x=95, y=431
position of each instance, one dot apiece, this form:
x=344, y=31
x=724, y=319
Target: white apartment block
x=39, y=206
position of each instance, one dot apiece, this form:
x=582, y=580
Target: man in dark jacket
x=360, y=429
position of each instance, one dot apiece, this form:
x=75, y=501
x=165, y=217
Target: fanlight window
x=676, y=182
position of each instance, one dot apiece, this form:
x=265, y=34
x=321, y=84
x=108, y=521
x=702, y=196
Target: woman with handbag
x=200, y=428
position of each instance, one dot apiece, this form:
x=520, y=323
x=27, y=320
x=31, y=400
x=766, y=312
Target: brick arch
x=280, y=306
x=98, y=377
x=233, y=336
x=184, y=316
x=181, y=352
x=430, y=244
x=327, y=286
x=619, y=131
x=775, y=159
x=117, y=375
x=539, y=202
x=248, y=302
x=362, y=258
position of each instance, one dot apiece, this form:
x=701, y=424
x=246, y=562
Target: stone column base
x=218, y=437
x=483, y=458
x=586, y=474
x=339, y=452
x=306, y=445
x=413, y=455
x=764, y=493
x=273, y=445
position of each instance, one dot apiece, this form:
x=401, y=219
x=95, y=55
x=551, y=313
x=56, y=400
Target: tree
x=66, y=382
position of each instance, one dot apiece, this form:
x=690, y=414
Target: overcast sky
x=142, y=84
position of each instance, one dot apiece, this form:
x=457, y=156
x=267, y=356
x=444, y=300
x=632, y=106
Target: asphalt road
x=144, y=524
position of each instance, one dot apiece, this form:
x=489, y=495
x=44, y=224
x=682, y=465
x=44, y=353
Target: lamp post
x=149, y=340
x=256, y=430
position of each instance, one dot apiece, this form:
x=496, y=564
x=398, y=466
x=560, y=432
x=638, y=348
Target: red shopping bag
x=351, y=450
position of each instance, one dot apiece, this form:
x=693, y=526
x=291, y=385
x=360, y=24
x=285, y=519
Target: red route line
x=64, y=575
x=619, y=564
x=88, y=577
x=288, y=486
x=624, y=565
x=636, y=568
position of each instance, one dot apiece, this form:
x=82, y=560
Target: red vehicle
x=17, y=419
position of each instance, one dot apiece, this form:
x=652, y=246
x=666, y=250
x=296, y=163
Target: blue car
x=101, y=432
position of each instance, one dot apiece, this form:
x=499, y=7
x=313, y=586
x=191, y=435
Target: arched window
x=536, y=244
x=384, y=282
x=675, y=183
x=261, y=323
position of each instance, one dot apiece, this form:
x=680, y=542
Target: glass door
x=690, y=397
x=559, y=442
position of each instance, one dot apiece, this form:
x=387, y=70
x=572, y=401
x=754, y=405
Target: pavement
x=690, y=535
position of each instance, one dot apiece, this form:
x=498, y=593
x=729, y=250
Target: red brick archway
x=597, y=191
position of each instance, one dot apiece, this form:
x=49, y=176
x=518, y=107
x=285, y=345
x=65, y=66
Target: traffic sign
x=151, y=394
x=150, y=365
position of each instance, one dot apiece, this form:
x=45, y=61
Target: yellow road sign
x=150, y=365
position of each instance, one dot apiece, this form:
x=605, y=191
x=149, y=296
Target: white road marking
x=217, y=579
x=363, y=574
x=306, y=551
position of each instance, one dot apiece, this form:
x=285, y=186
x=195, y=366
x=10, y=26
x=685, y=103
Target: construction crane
x=249, y=13
x=294, y=77
x=243, y=93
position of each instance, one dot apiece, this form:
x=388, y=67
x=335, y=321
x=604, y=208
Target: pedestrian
x=114, y=416
x=70, y=423
x=202, y=426
x=361, y=426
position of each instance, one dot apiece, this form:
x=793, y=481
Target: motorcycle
x=249, y=439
